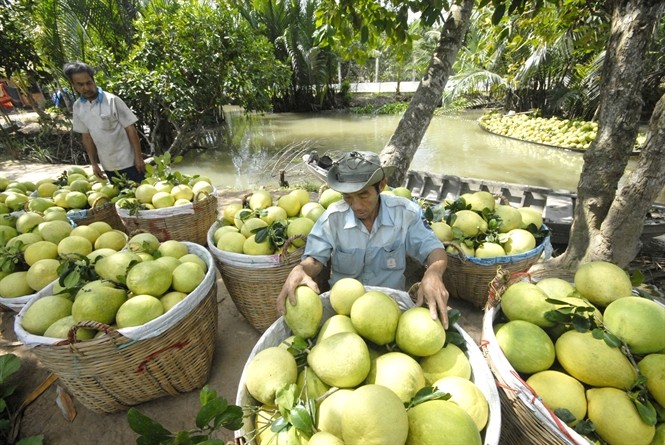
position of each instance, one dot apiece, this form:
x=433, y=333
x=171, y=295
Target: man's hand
x=297, y=277
x=432, y=290
x=139, y=163
x=98, y=171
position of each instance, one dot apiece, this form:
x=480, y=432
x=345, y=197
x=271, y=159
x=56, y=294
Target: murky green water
x=259, y=146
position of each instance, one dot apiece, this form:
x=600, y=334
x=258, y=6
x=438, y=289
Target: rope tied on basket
x=503, y=279
x=284, y=252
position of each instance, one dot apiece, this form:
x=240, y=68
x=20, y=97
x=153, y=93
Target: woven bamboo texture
x=113, y=372
x=191, y=227
x=105, y=212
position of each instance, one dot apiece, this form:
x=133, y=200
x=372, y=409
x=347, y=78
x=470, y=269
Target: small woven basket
x=105, y=212
x=468, y=278
x=117, y=370
x=189, y=222
x=254, y=281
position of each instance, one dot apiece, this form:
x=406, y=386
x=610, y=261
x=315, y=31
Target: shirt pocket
x=391, y=257
x=348, y=263
x=108, y=122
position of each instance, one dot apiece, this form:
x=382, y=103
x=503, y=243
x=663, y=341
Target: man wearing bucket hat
x=368, y=235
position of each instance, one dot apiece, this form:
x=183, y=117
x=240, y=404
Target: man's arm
x=91, y=150
x=133, y=136
x=432, y=288
x=303, y=273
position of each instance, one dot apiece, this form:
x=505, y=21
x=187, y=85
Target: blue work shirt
x=377, y=258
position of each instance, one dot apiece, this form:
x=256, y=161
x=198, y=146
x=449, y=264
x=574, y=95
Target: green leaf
x=182, y=438
x=301, y=419
x=584, y=427
x=3, y=405
x=611, y=339
x=637, y=278
x=279, y=424
x=9, y=364
x=7, y=390
x=71, y=279
x=231, y=418
x=32, y=440
x=598, y=334
x=206, y=394
x=647, y=411
x=209, y=411
x=426, y=394
x=144, y=425
x=565, y=415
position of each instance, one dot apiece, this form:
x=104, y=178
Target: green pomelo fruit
x=86, y=232
x=7, y=233
x=329, y=196
x=467, y=396
x=76, y=200
x=481, y=200
x=187, y=276
x=519, y=241
x=489, y=250
x=173, y=248
x=344, y=293
x=113, y=239
x=80, y=185
x=194, y=258
x=260, y=199
x=398, y=372
x=100, y=253
x=602, y=282
x=101, y=226
x=291, y=204
x=616, y=418
x=469, y=222
x=592, y=361
x=40, y=204
x=219, y=232
x=98, y=301
x=304, y=318
x=449, y=360
x=418, y=333
x=527, y=346
x=374, y=415
x=558, y=390
x=42, y=273
x=230, y=210
x=375, y=317
x=653, y=368
x=302, y=195
x=25, y=239
x=299, y=226
x=170, y=299
x=251, y=226
x=231, y=242
x=511, y=218
x=659, y=437
x=28, y=221
x=150, y=278
x=340, y=360
x=143, y=242
x=138, y=310
x=443, y=231
x=182, y=191
x=145, y=256
x=162, y=200
x=60, y=329
x=556, y=287
x=324, y=438
x=15, y=285
x=531, y=216
x=310, y=386
x=403, y=192
x=334, y=325
x=72, y=246
x=272, y=214
x=251, y=247
x=526, y=301
x=638, y=322
x=169, y=262
x=441, y=422
x=309, y=206
x=44, y=312
x=41, y=250
x=331, y=410
x=114, y=267
x=268, y=372
x=54, y=231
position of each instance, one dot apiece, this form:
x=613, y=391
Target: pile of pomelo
x=593, y=351
x=262, y=223
x=154, y=193
x=121, y=288
x=370, y=373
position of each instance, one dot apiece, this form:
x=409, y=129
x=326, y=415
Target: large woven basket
x=254, y=281
x=189, y=222
x=481, y=374
x=167, y=356
x=105, y=212
x=468, y=278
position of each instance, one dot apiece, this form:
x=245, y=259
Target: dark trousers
x=131, y=172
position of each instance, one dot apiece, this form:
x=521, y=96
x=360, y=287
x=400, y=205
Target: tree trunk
x=608, y=222
x=412, y=127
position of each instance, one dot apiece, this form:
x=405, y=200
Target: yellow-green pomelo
x=173, y=248
x=98, y=301
x=527, y=346
x=418, y=333
x=481, y=200
x=7, y=233
x=272, y=214
x=145, y=256
x=172, y=298
x=403, y=192
x=163, y=200
x=220, y=231
x=468, y=396
x=42, y=273
x=659, y=437
x=602, y=282
x=299, y=226
x=305, y=316
x=40, y=204
x=324, y=438
x=441, y=422
x=329, y=196
x=519, y=241
x=113, y=239
x=194, y=258
x=150, y=278
x=489, y=250
x=76, y=200
x=161, y=186
x=101, y=226
x=344, y=293
x=309, y=206
x=46, y=189
x=290, y=203
x=15, y=285
x=341, y=360
x=330, y=412
x=24, y=240
x=251, y=226
x=100, y=253
x=44, y=312
x=616, y=418
x=138, y=310
x=169, y=262
x=115, y=266
x=251, y=247
x=511, y=218
x=143, y=242
x=260, y=199
x=230, y=210
x=86, y=232
x=27, y=221
x=60, y=329
x=40, y=250
x=242, y=215
x=556, y=287
x=592, y=361
x=268, y=372
x=638, y=322
x=526, y=301
x=531, y=216
x=469, y=222
x=652, y=367
x=54, y=231
x=231, y=242
x=182, y=191
x=398, y=372
x=559, y=390
x=334, y=325
x=449, y=360
x=187, y=276
x=74, y=245
x=375, y=317
x=374, y=415
x=310, y=386
x=443, y=231
x=302, y=195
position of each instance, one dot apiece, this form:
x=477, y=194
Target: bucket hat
x=356, y=170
